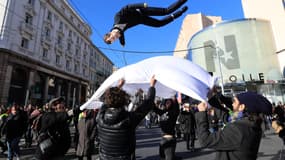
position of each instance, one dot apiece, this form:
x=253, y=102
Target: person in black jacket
x=240, y=138
x=54, y=125
x=14, y=129
x=116, y=126
x=168, y=117
x=134, y=14
x=188, y=125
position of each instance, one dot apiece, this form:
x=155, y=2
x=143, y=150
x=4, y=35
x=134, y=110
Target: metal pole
x=220, y=66
x=27, y=97
x=73, y=98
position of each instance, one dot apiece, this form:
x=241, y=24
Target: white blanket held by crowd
x=173, y=74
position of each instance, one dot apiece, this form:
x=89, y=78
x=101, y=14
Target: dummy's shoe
x=184, y=9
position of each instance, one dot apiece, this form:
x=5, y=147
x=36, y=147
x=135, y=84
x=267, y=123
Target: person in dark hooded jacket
x=240, y=138
x=54, y=125
x=167, y=123
x=116, y=126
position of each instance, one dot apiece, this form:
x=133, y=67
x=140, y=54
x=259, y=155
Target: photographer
x=240, y=138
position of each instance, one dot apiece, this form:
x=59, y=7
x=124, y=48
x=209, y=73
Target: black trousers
x=190, y=140
x=155, y=11
x=167, y=148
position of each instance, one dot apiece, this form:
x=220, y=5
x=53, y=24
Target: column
x=68, y=94
x=46, y=89
x=6, y=84
x=79, y=94
x=58, y=90
x=30, y=84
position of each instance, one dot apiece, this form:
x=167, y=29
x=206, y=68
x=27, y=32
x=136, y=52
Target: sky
x=99, y=14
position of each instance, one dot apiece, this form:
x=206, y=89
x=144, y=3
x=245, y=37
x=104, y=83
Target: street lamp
x=217, y=48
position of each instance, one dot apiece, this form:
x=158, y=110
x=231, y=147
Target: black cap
x=255, y=103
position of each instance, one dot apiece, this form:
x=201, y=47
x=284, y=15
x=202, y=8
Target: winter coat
x=57, y=125
x=126, y=18
x=168, y=118
x=116, y=129
x=238, y=140
x=187, y=122
x=87, y=133
x=15, y=125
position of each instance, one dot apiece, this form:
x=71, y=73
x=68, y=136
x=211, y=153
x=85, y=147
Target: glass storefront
x=238, y=52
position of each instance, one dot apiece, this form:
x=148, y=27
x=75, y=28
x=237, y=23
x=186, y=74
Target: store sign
x=234, y=78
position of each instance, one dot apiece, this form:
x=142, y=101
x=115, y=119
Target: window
x=77, y=52
x=84, y=71
x=45, y=53
x=60, y=25
x=57, y=59
x=84, y=56
x=28, y=19
x=70, y=33
x=49, y=15
x=47, y=32
x=31, y=2
x=75, y=68
x=59, y=40
x=24, y=43
x=68, y=46
x=77, y=40
x=67, y=64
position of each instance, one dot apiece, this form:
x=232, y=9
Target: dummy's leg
x=156, y=11
x=149, y=21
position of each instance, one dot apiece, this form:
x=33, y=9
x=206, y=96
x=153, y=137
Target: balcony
x=60, y=32
x=69, y=39
x=69, y=53
x=59, y=48
x=46, y=40
x=30, y=9
x=26, y=28
x=48, y=23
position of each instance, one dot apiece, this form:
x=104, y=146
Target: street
x=148, y=142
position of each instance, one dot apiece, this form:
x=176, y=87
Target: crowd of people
x=221, y=123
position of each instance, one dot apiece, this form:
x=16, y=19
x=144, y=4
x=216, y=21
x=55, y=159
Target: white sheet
x=173, y=74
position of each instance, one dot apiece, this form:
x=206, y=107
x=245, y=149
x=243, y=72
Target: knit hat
x=255, y=103
x=56, y=101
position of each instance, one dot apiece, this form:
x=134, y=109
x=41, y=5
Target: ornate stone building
x=45, y=52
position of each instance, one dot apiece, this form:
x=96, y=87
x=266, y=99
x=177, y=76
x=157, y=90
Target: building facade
x=192, y=23
x=276, y=16
x=100, y=68
x=45, y=50
x=237, y=55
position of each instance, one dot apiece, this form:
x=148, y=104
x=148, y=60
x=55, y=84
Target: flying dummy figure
x=140, y=13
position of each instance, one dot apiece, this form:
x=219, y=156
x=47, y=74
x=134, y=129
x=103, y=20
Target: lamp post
x=217, y=48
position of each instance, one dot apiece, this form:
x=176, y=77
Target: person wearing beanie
x=134, y=14
x=240, y=138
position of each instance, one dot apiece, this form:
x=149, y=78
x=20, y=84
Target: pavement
x=148, y=146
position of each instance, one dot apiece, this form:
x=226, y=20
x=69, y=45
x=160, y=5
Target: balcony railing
x=59, y=48
x=27, y=28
